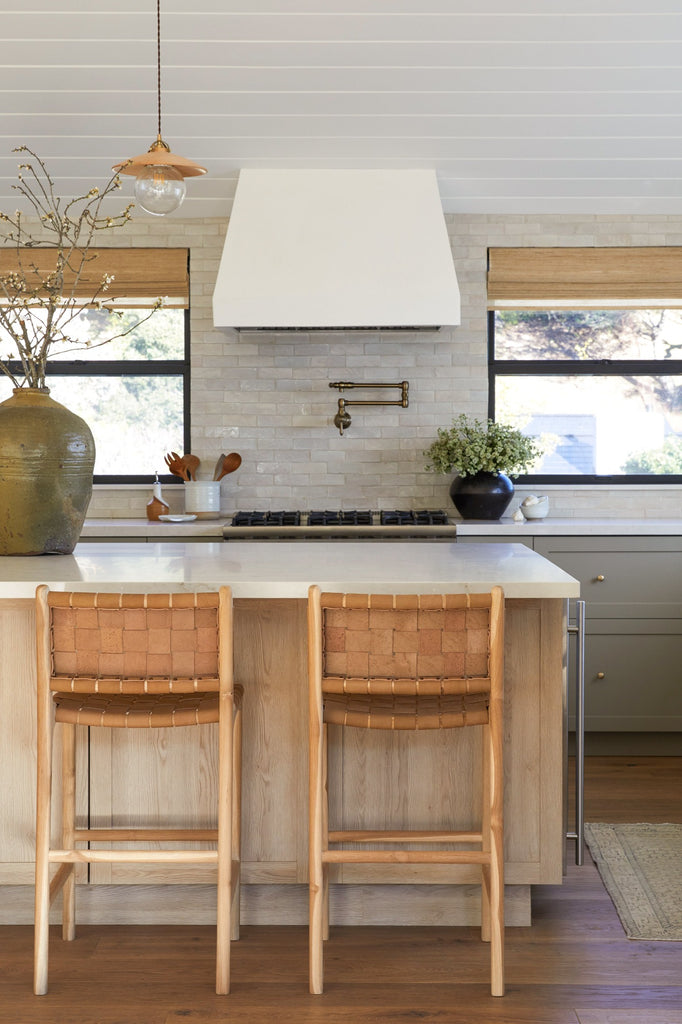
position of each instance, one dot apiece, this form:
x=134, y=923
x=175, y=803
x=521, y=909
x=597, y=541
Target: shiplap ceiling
x=521, y=106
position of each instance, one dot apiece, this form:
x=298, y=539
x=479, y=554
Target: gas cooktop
x=340, y=523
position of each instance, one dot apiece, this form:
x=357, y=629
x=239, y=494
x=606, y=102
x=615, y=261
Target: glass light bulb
x=159, y=189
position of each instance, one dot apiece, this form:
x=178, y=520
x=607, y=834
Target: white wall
x=267, y=396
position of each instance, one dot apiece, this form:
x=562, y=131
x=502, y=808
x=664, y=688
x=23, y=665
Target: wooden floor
x=573, y=966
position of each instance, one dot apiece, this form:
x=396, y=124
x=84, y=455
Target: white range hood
x=336, y=250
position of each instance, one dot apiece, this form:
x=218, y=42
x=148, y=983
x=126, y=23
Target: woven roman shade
x=141, y=275
x=577, y=277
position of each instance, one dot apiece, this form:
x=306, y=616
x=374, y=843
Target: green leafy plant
x=664, y=460
x=41, y=296
x=471, y=447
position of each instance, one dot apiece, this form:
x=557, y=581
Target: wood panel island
x=132, y=782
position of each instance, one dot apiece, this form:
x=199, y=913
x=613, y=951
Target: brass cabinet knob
x=600, y=578
x=601, y=675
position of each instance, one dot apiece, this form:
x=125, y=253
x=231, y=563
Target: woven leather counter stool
x=407, y=662
x=135, y=661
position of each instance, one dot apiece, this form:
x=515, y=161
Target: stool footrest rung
x=403, y=836
x=134, y=856
x=405, y=857
x=145, y=835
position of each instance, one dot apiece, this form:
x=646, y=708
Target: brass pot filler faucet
x=342, y=419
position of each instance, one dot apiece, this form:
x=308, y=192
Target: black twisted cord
x=158, y=60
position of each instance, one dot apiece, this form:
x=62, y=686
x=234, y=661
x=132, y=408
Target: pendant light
x=159, y=174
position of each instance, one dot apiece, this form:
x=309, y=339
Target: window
x=600, y=381
x=134, y=391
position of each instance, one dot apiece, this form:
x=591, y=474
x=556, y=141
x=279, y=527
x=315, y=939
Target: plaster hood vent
x=336, y=250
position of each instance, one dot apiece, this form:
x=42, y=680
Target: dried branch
x=37, y=307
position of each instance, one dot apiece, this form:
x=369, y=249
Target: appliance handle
x=577, y=629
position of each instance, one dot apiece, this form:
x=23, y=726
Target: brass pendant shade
x=159, y=153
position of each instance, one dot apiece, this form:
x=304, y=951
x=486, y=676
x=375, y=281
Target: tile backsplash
x=267, y=396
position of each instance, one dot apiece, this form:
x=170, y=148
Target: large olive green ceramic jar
x=47, y=456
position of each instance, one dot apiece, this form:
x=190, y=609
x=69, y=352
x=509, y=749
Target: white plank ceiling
x=521, y=106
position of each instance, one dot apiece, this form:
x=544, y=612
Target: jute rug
x=641, y=867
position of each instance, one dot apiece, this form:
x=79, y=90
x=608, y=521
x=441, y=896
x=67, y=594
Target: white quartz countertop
x=265, y=570
x=144, y=529
x=508, y=530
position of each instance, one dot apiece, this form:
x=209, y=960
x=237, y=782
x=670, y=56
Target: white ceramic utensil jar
x=202, y=498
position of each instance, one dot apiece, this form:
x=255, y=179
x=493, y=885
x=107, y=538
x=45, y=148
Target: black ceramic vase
x=481, y=496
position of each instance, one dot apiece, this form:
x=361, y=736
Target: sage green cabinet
x=632, y=587
x=633, y=681
x=622, y=577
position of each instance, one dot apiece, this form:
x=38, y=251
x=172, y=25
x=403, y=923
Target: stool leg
x=496, y=918
x=68, y=825
x=325, y=830
x=224, y=846
x=43, y=815
x=485, y=832
x=496, y=863
x=236, y=822
x=316, y=871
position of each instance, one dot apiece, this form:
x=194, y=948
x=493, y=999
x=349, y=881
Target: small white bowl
x=536, y=509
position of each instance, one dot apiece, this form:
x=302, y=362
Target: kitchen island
x=269, y=583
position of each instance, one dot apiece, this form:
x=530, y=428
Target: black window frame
x=586, y=368
x=131, y=368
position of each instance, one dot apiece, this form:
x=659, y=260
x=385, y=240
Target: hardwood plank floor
x=633, y=789
x=573, y=966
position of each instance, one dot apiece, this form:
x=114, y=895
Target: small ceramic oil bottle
x=156, y=506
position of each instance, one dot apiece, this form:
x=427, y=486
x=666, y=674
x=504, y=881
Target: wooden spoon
x=218, y=466
x=191, y=463
x=176, y=465
x=230, y=463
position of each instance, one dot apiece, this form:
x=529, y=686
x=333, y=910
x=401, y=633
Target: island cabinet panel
x=430, y=779
x=176, y=775
x=17, y=741
x=169, y=775
x=18, y=746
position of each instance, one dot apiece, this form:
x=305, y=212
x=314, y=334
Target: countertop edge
x=262, y=570
x=565, y=527
x=212, y=529
x=101, y=529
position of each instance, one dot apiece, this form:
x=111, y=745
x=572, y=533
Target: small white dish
x=535, y=506
x=176, y=519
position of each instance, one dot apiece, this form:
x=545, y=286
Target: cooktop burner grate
x=266, y=519
x=424, y=517
x=352, y=517
x=345, y=518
